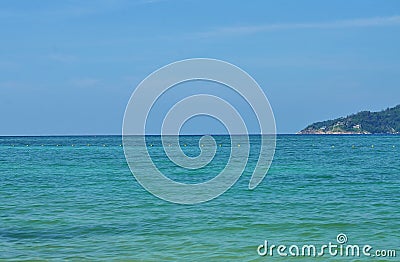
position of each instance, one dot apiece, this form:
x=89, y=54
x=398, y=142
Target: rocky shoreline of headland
x=319, y=132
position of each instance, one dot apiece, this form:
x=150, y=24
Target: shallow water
x=82, y=202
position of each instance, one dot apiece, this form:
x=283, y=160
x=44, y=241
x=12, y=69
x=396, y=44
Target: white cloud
x=350, y=23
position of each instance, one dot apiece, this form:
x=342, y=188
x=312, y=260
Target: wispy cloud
x=72, y=9
x=64, y=58
x=150, y=1
x=349, y=23
x=11, y=85
x=8, y=65
x=86, y=82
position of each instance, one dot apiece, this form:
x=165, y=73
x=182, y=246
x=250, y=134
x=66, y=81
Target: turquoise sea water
x=81, y=202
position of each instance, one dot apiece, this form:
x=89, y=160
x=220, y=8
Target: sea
x=74, y=198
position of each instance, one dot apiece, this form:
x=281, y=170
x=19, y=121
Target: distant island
x=365, y=122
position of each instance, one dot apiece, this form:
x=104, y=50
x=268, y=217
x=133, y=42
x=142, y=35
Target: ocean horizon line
x=252, y=134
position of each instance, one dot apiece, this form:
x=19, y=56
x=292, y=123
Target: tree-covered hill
x=365, y=122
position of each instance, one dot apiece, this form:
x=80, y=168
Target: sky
x=70, y=67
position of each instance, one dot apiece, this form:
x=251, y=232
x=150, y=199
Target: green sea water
x=74, y=198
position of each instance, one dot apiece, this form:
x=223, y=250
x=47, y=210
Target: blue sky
x=69, y=67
